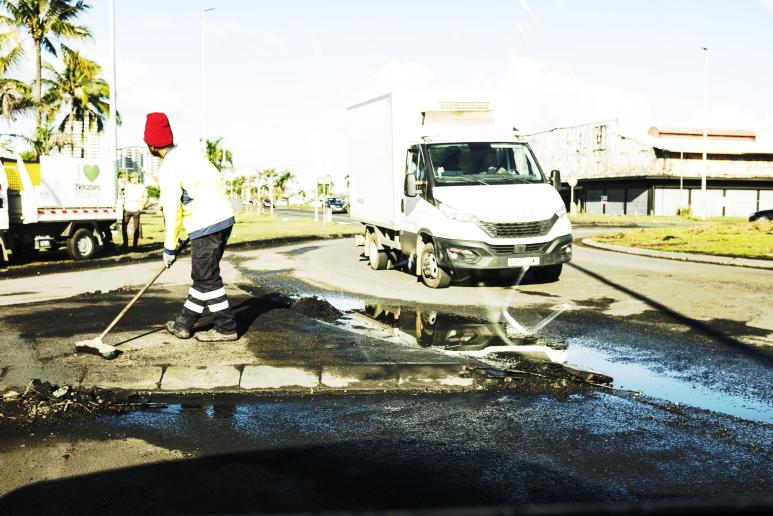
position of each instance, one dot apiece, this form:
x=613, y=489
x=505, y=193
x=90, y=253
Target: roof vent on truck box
x=459, y=113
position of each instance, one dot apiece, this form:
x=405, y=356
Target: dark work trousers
x=207, y=290
x=128, y=216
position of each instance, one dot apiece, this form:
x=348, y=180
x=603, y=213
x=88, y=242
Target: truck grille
x=518, y=229
x=518, y=248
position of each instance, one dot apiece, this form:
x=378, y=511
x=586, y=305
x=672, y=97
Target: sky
x=278, y=76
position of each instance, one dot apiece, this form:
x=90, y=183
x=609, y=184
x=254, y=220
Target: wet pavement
x=583, y=390
x=377, y=452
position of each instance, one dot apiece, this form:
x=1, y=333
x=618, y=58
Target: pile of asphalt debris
x=316, y=308
x=42, y=402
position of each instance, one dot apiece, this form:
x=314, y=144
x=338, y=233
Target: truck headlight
x=453, y=213
x=461, y=254
x=561, y=211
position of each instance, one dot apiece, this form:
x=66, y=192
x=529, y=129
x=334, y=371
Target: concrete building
x=139, y=159
x=660, y=172
x=81, y=139
x=131, y=158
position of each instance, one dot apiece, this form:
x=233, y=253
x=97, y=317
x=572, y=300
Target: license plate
x=523, y=262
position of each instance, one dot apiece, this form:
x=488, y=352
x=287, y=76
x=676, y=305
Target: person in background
x=135, y=197
x=192, y=195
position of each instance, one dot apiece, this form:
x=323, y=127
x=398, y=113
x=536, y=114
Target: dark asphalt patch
x=379, y=452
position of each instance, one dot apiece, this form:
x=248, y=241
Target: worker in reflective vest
x=192, y=196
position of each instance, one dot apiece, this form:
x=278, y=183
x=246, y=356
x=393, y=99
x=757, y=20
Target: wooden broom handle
x=139, y=294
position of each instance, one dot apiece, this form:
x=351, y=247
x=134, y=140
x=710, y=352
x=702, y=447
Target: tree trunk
x=72, y=134
x=83, y=135
x=38, y=88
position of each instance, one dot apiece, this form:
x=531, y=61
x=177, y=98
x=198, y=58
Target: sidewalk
x=685, y=257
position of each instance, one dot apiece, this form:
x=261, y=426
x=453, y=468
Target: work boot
x=178, y=331
x=215, y=336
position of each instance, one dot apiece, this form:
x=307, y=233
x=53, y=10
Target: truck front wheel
x=82, y=245
x=431, y=272
x=377, y=258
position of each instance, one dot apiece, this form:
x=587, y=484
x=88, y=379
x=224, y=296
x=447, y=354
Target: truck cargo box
x=373, y=155
x=76, y=183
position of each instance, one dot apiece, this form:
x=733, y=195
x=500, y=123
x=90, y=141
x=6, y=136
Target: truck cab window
x=483, y=163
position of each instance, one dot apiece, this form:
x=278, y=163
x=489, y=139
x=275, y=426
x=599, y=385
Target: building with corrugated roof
x=659, y=172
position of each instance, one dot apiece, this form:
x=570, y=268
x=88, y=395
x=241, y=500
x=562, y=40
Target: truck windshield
x=483, y=163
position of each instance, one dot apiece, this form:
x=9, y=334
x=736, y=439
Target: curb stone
x=684, y=257
x=178, y=378
x=363, y=377
x=271, y=377
x=130, y=378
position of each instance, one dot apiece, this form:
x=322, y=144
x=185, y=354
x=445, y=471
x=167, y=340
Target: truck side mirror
x=555, y=179
x=409, y=187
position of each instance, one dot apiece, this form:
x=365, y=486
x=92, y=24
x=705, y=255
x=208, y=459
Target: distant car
x=266, y=203
x=337, y=205
x=761, y=215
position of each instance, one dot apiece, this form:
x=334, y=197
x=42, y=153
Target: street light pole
x=112, y=125
x=704, y=173
x=203, y=76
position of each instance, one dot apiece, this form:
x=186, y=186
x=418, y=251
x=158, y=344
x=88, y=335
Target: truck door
x=414, y=164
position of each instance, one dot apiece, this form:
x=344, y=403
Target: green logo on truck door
x=91, y=172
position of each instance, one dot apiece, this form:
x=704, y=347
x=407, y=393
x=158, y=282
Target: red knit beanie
x=158, y=133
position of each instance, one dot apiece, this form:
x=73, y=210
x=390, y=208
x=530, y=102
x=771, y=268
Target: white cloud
x=543, y=98
x=767, y=4
x=233, y=34
x=401, y=76
x=142, y=90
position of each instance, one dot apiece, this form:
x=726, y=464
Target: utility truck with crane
x=447, y=189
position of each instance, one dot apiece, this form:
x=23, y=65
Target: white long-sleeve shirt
x=134, y=197
x=192, y=195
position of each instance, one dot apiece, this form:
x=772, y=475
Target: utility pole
x=704, y=173
x=203, y=74
x=112, y=126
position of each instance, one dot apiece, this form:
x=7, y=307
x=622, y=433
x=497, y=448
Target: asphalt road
x=690, y=417
x=689, y=333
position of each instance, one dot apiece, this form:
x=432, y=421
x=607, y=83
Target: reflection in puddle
x=636, y=377
x=467, y=336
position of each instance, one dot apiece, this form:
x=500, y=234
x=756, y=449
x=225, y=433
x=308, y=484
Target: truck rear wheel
x=377, y=258
x=431, y=273
x=82, y=245
x=547, y=274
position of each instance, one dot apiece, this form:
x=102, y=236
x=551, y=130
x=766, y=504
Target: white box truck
x=447, y=187
x=62, y=201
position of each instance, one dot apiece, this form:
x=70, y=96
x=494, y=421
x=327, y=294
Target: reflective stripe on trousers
x=207, y=290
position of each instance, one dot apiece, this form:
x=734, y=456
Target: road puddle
x=509, y=345
x=637, y=377
x=465, y=335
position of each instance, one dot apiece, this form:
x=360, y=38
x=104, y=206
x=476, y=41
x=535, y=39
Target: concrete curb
x=408, y=377
x=684, y=257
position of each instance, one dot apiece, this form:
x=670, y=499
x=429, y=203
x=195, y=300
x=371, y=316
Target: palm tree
x=216, y=156
x=14, y=98
x=41, y=20
x=283, y=181
x=15, y=95
x=79, y=86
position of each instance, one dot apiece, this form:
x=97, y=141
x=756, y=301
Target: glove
x=169, y=258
